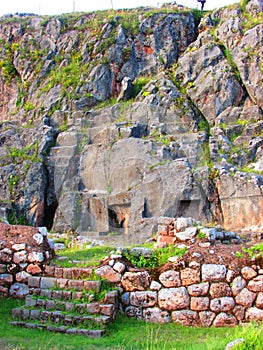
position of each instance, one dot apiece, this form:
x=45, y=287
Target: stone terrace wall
x=200, y=291
x=24, y=251
x=211, y=295
x=206, y=295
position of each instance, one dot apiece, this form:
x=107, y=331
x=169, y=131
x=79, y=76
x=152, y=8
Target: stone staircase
x=66, y=305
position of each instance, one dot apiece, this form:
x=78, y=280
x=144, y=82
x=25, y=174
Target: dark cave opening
x=146, y=212
x=49, y=214
x=113, y=219
x=183, y=207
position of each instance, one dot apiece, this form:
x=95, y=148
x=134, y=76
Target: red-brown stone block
x=199, y=303
x=170, y=279
x=206, y=318
x=256, y=284
x=173, y=298
x=190, y=276
x=245, y=298
x=248, y=273
x=259, y=301
x=186, y=317
x=220, y=289
x=197, y=290
x=136, y=281
x=225, y=320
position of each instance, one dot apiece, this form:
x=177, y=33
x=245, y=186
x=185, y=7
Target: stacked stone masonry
x=199, y=294
x=208, y=295
x=66, y=306
x=24, y=251
x=211, y=295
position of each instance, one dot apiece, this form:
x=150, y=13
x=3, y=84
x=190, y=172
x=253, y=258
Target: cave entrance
x=49, y=214
x=146, y=211
x=183, y=207
x=189, y=208
x=118, y=217
x=113, y=219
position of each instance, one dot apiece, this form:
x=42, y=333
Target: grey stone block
x=50, y=304
x=30, y=301
x=34, y=281
x=17, y=313
x=34, y=314
x=47, y=282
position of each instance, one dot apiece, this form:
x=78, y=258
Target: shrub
x=28, y=106
x=158, y=257
x=256, y=251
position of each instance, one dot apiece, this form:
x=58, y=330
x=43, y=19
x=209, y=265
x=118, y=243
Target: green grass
x=158, y=257
x=91, y=256
x=253, y=337
x=123, y=334
x=256, y=251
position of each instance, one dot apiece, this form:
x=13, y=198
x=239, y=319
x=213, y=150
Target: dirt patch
x=219, y=253
x=230, y=255
x=18, y=234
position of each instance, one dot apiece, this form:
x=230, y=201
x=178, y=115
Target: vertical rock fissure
x=215, y=202
x=50, y=203
x=50, y=198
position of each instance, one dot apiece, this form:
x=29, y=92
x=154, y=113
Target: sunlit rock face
x=184, y=138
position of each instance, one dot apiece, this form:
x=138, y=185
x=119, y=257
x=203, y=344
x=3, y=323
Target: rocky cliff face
x=112, y=119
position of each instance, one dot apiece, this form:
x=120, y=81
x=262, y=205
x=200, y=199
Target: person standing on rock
x=202, y=4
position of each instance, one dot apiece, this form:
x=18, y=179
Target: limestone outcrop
x=184, y=139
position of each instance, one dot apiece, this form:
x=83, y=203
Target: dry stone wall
x=207, y=295
x=23, y=252
x=209, y=292
x=192, y=294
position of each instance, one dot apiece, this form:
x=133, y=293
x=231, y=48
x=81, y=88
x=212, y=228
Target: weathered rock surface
x=143, y=299
x=136, y=280
x=187, y=145
x=156, y=315
x=109, y=273
x=173, y=298
x=213, y=273
x=170, y=278
x=185, y=317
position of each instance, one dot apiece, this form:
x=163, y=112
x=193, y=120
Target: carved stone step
x=68, y=272
x=61, y=329
x=66, y=319
x=63, y=302
x=81, y=308
x=52, y=282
